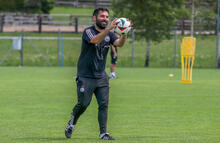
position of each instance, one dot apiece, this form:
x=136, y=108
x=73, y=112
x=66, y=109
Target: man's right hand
x=113, y=24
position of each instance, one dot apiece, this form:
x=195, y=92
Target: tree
x=47, y=5
x=39, y=6
x=204, y=13
x=152, y=20
x=28, y=6
x=11, y=5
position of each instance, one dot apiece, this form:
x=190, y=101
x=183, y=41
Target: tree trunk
x=192, y=21
x=147, y=53
x=218, y=38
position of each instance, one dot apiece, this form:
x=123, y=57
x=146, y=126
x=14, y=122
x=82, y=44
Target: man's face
x=102, y=19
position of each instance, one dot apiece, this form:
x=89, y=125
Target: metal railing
x=84, y=3
x=11, y=22
x=15, y=22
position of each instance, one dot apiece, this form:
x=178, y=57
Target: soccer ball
x=123, y=26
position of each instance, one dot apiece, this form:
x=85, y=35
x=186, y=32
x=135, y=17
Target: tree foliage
x=153, y=20
x=205, y=13
x=27, y=6
x=11, y=5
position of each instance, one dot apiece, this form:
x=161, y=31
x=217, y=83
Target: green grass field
x=71, y=10
x=76, y=11
x=145, y=106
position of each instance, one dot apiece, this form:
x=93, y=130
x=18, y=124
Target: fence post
x=61, y=50
x=39, y=24
x=96, y=3
x=58, y=50
x=76, y=24
x=218, y=38
x=1, y=23
x=132, y=52
x=71, y=20
x=22, y=48
x=182, y=26
x=175, y=41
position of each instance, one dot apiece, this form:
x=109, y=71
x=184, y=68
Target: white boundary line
x=41, y=38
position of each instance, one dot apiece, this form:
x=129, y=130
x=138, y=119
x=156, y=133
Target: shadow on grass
x=50, y=139
x=139, y=138
x=41, y=138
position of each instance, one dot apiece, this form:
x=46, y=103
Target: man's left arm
x=114, y=51
x=121, y=41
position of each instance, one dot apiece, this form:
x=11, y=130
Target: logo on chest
x=107, y=39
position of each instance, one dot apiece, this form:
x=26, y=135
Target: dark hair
x=96, y=11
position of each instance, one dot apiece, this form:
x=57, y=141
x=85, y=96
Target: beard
x=100, y=25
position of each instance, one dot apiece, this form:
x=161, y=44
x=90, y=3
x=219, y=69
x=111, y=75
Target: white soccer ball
x=123, y=26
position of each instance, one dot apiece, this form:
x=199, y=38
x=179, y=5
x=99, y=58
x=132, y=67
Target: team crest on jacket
x=107, y=39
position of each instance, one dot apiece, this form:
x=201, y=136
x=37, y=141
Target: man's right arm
x=101, y=36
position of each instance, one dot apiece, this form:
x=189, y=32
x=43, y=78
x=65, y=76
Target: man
x=114, y=58
x=91, y=76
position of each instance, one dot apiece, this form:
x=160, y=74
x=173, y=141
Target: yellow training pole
x=187, y=58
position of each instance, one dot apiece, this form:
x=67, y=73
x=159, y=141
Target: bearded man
x=91, y=76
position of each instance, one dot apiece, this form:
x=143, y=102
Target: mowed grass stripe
x=145, y=106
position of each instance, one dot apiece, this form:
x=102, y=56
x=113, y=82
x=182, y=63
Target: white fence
x=84, y=3
x=10, y=22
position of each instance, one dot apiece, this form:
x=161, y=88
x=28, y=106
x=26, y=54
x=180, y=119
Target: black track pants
x=85, y=89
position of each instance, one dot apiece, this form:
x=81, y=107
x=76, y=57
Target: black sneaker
x=68, y=131
x=107, y=137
